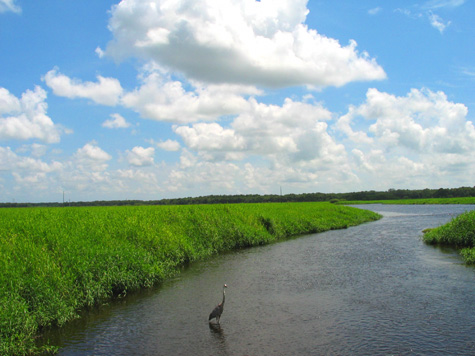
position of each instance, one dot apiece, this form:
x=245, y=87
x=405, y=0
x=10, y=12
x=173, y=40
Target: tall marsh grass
x=458, y=233
x=55, y=262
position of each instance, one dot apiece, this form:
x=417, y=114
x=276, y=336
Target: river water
x=373, y=289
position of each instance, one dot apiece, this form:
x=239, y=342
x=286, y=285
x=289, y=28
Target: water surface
x=374, y=289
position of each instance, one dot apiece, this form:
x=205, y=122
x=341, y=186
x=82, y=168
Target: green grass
x=55, y=262
x=458, y=233
x=464, y=200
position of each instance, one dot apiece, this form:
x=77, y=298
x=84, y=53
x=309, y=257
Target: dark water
x=374, y=289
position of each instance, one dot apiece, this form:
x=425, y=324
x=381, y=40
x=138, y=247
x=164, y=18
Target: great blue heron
x=216, y=313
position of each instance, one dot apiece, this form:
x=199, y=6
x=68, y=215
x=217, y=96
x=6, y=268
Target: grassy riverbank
x=55, y=262
x=458, y=233
x=464, y=200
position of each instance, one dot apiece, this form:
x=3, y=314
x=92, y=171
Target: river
x=373, y=289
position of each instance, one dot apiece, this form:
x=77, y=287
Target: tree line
x=391, y=194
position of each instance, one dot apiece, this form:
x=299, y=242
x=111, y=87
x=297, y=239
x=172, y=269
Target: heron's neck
x=224, y=294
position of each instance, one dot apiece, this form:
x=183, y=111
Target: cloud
x=422, y=121
x=407, y=13
x=138, y=182
x=437, y=22
x=8, y=102
x=439, y=4
x=91, y=158
x=375, y=10
x=159, y=98
x=140, y=156
x=223, y=176
x=400, y=141
x=169, y=145
x=117, y=122
x=468, y=72
x=100, y=53
x=292, y=139
x=344, y=125
x=211, y=137
x=37, y=150
x=9, y=5
x=25, y=118
x=92, y=152
x=408, y=140
x=85, y=175
x=26, y=170
x=294, y=129
x=426, y=11
x=265, y=43
x=106, y=91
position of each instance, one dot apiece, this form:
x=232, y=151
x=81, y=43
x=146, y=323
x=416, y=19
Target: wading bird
x=216, y=313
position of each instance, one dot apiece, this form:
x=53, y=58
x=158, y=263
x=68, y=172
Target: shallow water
x=374, y=289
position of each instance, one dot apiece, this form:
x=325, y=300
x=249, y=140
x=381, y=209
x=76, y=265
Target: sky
x=108, y=100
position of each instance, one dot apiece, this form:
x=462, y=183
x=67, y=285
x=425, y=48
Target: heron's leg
x=217, y=319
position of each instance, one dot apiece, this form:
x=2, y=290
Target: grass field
x=458, y=233
x=55, y=262
x=464, y=200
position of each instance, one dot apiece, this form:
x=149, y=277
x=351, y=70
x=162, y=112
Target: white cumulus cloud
x=421, y=121
x=26, y=170
x=140, y=156
x=291, y=138
x=106, y=91
x=211, y=137
x=249, y=42
x=159, y=98
x=91, y=157
x=169, y=145
x=409, y=140
x=117, y=121
x=26, y=118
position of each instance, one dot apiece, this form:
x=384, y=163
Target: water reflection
x=218, y=337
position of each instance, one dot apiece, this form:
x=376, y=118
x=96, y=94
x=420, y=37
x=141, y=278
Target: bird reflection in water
x=219, y=338
x=216, y=329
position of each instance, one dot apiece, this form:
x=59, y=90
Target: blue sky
x=156, y=99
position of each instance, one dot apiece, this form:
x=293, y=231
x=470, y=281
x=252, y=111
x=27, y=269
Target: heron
x=216, y=313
